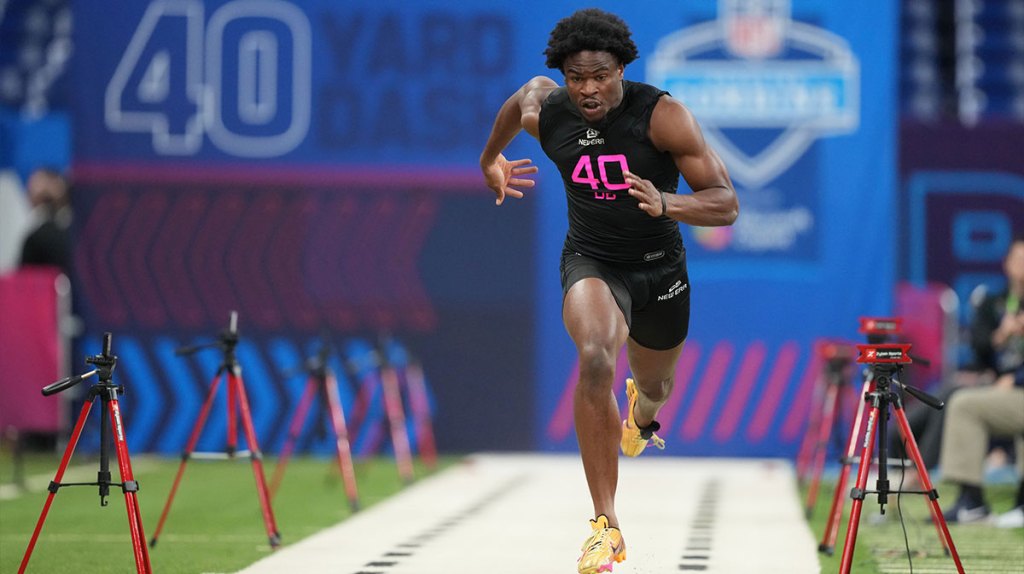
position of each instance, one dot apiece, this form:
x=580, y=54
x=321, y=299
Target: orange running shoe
x=635, y=439
x=603, y=549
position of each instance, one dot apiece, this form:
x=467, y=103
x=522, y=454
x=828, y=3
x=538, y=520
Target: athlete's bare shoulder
x=540, y=86
x=673, y=127
x=532, y=96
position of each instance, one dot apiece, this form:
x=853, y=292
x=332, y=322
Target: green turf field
x=881, y=547
x=214, y=525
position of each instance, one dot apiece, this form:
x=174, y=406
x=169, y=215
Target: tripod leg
x=68, y=451
x=807, y=445
x=235, y=380
x=294, y=429
x=858, y=491
x=130, y=488
x=933, y=505
x=364, y=396
x=348, y=473
x=831, y=404
x=197, y=429
x=232, y=431
x=828, y=538
x=396, y=418
x=421, y=414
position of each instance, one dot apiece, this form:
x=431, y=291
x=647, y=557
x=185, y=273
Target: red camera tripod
x=106, y=391
x=837, y=357
x=877, y=330
x=885, y=363
x=376, y=374
x=236, y=400
x=321, y=381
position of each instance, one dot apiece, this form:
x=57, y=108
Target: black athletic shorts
x=654, y=297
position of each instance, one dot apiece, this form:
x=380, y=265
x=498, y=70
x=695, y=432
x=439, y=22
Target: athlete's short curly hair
x=590, y=29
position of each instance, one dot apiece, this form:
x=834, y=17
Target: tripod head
x=227, y=341
x=316, y=365
x=104, y=363
x=837, y=357
x=880, y=329
x=390, y=352
x=886, y=361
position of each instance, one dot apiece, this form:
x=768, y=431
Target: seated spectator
x=976, y=415
x=927, y=423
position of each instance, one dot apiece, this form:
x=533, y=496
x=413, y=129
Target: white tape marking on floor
x=505, y=514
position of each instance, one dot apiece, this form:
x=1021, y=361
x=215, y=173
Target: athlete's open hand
x=651, y=200
x=502, y=175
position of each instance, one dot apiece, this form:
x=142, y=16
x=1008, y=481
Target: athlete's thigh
x=652, y=365
x=662, y=321
x=591, y=314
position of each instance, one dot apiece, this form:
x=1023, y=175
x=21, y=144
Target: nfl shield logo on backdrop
x=754, y=28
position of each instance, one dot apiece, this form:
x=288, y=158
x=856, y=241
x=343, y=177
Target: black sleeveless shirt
x=605, y=222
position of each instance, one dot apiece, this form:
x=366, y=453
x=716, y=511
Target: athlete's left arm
x=713, y=201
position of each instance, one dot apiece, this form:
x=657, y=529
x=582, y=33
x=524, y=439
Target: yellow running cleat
x=603, y=549
x=635, y=439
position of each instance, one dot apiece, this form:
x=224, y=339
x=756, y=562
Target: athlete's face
x=594, y=81
x=1014, y=265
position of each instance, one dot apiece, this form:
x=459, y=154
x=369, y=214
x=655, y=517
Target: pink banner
x=926, y=310
x=30, y=347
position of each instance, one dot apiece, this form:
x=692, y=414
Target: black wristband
x=664, y=207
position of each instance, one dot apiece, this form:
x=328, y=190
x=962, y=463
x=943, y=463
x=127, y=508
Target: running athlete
x=620, y=147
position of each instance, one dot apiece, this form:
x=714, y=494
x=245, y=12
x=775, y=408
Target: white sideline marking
x=505, y=514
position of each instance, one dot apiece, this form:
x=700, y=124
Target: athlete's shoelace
x=647, y=435
x=602, y=534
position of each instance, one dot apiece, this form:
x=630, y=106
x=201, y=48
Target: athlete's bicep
x=704, y=171
x=675, y=130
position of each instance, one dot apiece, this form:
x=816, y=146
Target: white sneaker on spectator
x=961, y=513
x=1012, y=519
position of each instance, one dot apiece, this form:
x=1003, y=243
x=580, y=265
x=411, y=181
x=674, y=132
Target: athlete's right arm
x=520, y=111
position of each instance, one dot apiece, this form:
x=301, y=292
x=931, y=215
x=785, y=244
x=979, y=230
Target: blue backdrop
x=313, y=165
